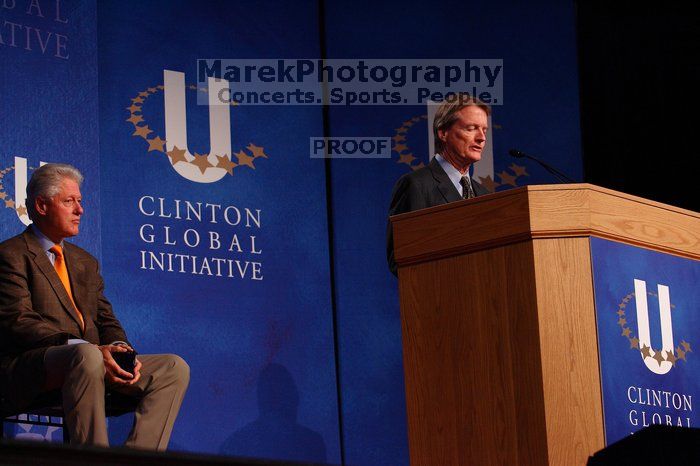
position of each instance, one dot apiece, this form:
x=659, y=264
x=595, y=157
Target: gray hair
x=46, y=182
x=446, y=114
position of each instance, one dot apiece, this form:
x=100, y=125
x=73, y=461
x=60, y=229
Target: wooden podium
x=498, y=318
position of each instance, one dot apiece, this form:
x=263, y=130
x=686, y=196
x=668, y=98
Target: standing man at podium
x=459, y=130
x=58, y=331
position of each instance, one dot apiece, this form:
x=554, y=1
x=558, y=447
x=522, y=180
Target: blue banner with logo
x=211, y=220
x=538, y=114
x=48, y=113
x=48, y=104
x=648, y=325
x=215, y=226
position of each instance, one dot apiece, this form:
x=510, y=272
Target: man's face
x=465, y=139
x=60, y=214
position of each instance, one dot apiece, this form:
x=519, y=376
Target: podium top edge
x=524, y=190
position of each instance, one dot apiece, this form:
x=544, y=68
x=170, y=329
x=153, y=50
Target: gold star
x=134, y=108
x=418, y=167
x=518, y=170
x=686, y=346
x=401, y=130
x=399, y=138
x=620, y=312
x=10, y=204
x=507, y=179
x=143, y=94
x=142, y=131
x=622, y=306
x=488, y=183
x=621, y=321
x=155, y=144
x=177, y=155
x=415, y=119
x=137, y=100
x=400, y=148
x=135, y=119
x=658, y=356
x=626, y=300
x=634, y=342
x=245, y=159
x=681, y=353
x=201, y=161
x=257, y=151
x=671, y=358
x=3, y=196
x=408, y=123
x=21, y=210
x=626, y=331
x=193, y=87
x=645, y=351
x=406, y=158
x=226, y=164
x=160, y=86
x=152, y=90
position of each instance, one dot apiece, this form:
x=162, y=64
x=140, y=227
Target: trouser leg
x=164, y=380
x=79, y=372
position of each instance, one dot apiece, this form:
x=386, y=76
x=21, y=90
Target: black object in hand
x=126, y=360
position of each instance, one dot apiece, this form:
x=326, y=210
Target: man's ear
x=442, y=135
x=40, y=205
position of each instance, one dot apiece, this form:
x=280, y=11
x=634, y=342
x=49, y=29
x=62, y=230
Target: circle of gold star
x=400, y=146
x=680, y=352
x=246, y=156
x=5, y=198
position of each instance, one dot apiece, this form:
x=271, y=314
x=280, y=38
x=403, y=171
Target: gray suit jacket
x=426, y=187
x=36, y=312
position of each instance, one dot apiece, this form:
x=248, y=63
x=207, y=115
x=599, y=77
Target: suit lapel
x=444, y=184
x=45, y=267
x=478, y=189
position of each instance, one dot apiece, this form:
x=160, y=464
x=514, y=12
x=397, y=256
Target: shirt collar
x=44, y=241
x=453, y=174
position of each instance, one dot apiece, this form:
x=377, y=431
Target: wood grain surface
x=542, y=212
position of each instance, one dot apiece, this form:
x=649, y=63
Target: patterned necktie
x=60, y=266
x=467, y=191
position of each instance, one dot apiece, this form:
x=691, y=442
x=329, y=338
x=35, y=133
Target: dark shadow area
x=651, y=446
x=639, y=69
x=276, y=429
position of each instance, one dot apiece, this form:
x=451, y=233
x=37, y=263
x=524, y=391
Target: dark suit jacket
x=426, y=187
x=36, y=312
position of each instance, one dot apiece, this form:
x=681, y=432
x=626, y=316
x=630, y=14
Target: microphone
x=557, y=174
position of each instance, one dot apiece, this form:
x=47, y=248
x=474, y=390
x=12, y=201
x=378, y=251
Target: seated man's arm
x=26, y=328
x=108, y=326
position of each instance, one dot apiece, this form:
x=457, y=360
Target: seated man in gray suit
x=459, y=130
x=57, y=330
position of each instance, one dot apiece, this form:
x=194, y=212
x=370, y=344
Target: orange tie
x=60, y=266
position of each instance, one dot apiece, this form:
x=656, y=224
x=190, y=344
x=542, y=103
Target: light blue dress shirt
x=452, y=173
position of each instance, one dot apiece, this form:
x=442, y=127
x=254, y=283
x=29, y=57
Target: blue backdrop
x=278, y=372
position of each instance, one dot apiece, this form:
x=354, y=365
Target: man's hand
x=114, y=374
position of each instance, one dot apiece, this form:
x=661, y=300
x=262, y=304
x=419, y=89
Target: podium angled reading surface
x=498, y=319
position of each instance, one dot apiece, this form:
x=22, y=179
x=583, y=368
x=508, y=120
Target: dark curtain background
x=639, y=70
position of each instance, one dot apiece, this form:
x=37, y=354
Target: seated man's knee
x=88, y=359
x=180, y=369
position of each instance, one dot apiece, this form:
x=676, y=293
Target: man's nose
x=78, y=209
x=481, y=135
